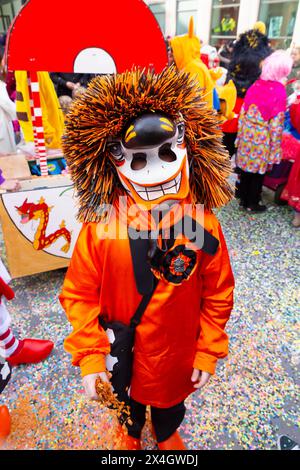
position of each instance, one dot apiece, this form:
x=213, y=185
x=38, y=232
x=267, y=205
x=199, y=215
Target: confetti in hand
x=109, y=399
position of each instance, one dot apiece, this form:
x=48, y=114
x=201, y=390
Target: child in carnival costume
x=154, y=139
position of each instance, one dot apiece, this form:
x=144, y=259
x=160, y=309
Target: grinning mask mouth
x=151, y=159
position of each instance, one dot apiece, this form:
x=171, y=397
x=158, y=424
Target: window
x=17, y=4
x=280, y=18
x=8, y=9
x=225, y=17
x=159, y=11
x=185, y=9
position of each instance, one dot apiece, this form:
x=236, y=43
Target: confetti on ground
x=251, y=400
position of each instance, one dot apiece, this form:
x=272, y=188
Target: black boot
x=257, y=208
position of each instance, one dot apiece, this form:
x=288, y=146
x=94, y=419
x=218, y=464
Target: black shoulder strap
x=146, y=282
x=207, y=242
x=136, y=319
x=139, y=248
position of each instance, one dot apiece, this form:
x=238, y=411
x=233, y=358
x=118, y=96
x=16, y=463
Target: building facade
x=218, y=21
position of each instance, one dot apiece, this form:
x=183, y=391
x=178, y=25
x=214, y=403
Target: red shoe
x=31, y=351
x=173, y=443
x=5, y=423
x=125, y=442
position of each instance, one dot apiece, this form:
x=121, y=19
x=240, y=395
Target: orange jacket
x=182, y=327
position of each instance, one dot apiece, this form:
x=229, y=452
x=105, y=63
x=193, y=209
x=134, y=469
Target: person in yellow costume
x=53, y=120
x=227, y=93
x=186, y=54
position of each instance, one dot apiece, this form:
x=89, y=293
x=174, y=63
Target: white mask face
x=153, y=174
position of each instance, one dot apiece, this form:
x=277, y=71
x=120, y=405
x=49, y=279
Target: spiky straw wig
x=109, y=103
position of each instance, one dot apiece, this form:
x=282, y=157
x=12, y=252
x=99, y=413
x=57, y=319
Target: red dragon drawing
x=30, y=211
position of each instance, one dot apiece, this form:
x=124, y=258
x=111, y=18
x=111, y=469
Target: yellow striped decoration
x=130, y=136
x=166, y=121
x=128, y=131
x=167, y=128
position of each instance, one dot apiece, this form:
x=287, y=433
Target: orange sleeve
x=88, y=343
x=216, y=306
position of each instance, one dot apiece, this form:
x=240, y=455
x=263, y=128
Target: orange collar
x=140, y=219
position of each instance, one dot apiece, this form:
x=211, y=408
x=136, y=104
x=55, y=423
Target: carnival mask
x=151, y=160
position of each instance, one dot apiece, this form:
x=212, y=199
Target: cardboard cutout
x=102, y=37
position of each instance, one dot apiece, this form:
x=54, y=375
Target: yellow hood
x=186, y=48
x=227, y=95
x=261, y=27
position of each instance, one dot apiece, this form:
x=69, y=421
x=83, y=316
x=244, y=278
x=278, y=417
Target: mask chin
x=169, y=192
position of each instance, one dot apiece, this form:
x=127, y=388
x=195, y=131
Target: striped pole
x=32, y=114
x=37, y=121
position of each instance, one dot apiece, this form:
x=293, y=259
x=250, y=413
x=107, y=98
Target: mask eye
x=166, y=154
x=180, y=129
x=115, y=150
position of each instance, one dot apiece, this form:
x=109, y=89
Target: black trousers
x=229, y=139
x=250, y=188
x=4, y=368
x=165, y=420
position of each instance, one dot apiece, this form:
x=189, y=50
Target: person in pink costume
x=260, y=130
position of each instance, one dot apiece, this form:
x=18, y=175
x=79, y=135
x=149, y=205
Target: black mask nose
x=148, y=130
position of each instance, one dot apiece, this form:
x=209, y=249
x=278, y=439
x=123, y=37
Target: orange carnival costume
x=153, y=139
